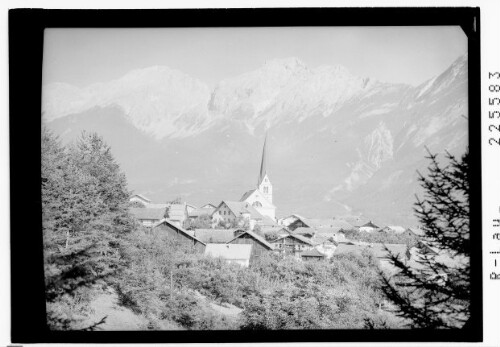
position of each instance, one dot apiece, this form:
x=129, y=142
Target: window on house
x=266, y=190
x=257, y=204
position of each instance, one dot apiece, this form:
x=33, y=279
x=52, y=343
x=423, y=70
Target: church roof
x=263, y=169
x=247, y=194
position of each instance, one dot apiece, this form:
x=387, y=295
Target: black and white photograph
x=256, y=178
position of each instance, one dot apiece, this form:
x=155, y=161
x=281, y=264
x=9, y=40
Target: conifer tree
x=85, y=211
x=432, y=290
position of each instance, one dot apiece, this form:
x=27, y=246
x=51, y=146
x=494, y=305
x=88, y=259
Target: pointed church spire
x=263, y=169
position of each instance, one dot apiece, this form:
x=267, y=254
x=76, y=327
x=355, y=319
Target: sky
x=409, y=55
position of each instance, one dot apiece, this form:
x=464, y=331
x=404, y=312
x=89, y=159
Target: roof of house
x=304, y=231
x=295, y=236
x=257, y=237
x=189, y=233
x=208, y=206
x=416, y=231
x=164, y=206
x=324, y=223
x=176, y=211
x=240, y=207
x=271, y=228
x=312, y=253
x=191, y=205
x=267, y=221
x=318, y=239
x=202, y=211
x=229, y=251
x=370, y=225
x=147, y=213
x=142, y=197
x=395, y=228
x=354, y=220
x=214, y=235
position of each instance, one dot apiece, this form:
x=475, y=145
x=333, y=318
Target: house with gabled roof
x=292, y=244
x=394, y=229
x=368, y=227
x=316, y=223
x=208, y=211
x=312, y=254
x=214, y=235
x=231, y=211
x=232, y=253
x=147, y=216
x=140, y=199
x=260, y=245
x=325, y=243
x=179, y=234
x=177, y=213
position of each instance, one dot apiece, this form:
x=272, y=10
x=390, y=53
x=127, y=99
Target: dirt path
x=117, y=317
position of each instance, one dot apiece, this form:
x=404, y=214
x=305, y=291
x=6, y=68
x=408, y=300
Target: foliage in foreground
x=165, y=281
x=435, y=291
x=84, y=211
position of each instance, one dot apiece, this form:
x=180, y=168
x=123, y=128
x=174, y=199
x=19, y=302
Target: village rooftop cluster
x=241, y=231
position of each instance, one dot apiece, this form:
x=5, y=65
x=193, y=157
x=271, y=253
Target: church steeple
x=263, y=169
x=264, y=184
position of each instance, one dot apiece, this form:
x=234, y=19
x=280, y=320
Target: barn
x=260, y=245
x=177, y=233
x=292, y=244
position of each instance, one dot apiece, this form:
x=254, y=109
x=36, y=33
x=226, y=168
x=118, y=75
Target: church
x=261, y=198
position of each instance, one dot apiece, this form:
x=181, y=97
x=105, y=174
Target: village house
x=312, y=254
x=416, y=231
x=305, y=232
x=214, y=235
x=177, y=213
x=190, y=208
x=368, y=227
x=196, y=213
x=141, y=199
x=315, y=223
x=145, y=202
x=286, y=221
x=175, y=232
x=148, y=216
x=232, y=253
x=394, y=229
x=325, y=244
x=260, y=245
x=292, y=244
x=234, y=211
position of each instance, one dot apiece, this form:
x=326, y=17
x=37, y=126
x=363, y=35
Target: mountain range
x=338, y=144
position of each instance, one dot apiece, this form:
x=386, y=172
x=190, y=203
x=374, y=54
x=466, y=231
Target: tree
x=84, y=211
x=201, y=222
x=433, y=291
